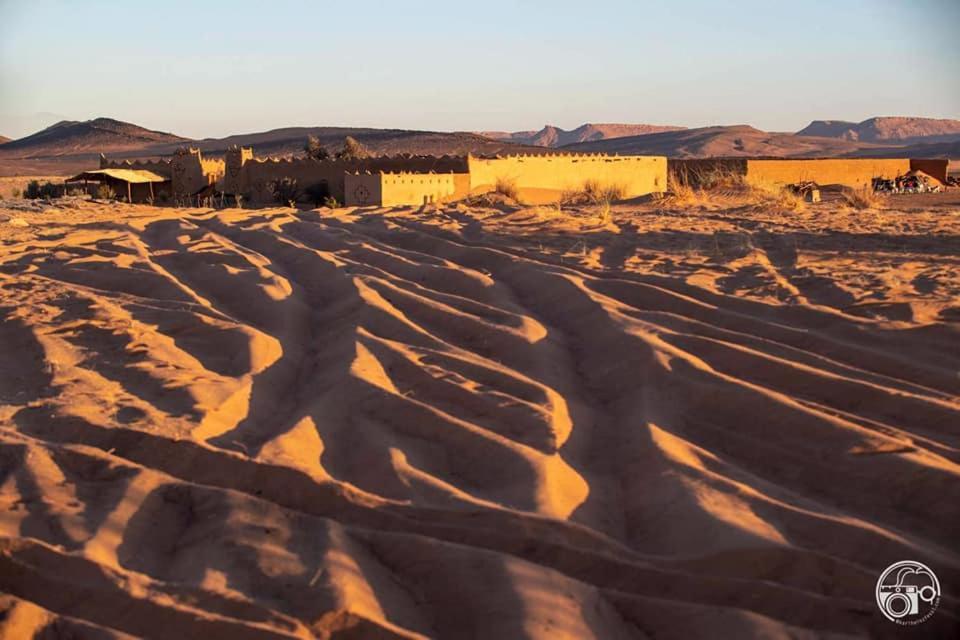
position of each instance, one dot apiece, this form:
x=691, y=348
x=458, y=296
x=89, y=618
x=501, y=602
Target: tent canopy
x=133, y=176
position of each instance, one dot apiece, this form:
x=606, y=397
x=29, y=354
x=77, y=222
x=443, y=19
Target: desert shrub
x=46, y=190
x=863, y=198
x=317, y=193
x=32, y=192
x=352, y=149
x=507, y=187
x=50, y=190
x=15, y=193
x=331, y=203
x=285, y=190
x=314, y=149
x=104, y=192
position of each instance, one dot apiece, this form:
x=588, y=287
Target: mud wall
x=545, y=178
x=416, y=188
x=192, y=172
x=854, y=173
x=362, y=189
x=399, y=189
x=252, y=177
x=234, y=159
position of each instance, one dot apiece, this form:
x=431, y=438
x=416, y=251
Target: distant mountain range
x=886, y=136
x=886, y=129
x=4, y=139
x=551, y=136
x=70, y=146
x=723, y=141
x=280, y=142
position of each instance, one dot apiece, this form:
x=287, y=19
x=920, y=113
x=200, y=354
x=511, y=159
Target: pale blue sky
x=210, y=68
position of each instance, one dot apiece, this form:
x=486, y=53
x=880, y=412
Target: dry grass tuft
x=507, y=187
x=599, y=193
x=597, y=196
x=864, y=198
x=727, y=189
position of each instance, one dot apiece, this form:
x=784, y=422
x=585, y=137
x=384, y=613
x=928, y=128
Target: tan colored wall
x=255, y=175
x=234, y=160
x=362, y=189
x=854, y=172
x=192, y=172
x=399, y=189
x=545, y=178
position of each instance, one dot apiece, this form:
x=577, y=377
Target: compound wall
x=398, y=189
x=545, y=178
x=252, y=177
x=192, y=172
x=855, y=173
x=188, y=170
x=849, y=172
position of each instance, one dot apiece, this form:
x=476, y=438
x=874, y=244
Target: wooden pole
x=151, y=192
x=129, y=197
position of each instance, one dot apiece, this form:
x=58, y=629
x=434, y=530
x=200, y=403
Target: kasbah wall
x=396, y=189
x=853, y=172
x=545, y=178
x=188, y=170
x=251, y=176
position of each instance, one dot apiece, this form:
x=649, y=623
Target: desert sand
x=476, y=421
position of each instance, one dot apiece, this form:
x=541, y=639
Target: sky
x=209, y=69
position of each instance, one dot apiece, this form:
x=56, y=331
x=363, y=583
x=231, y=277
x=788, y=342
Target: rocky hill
x=93, y=136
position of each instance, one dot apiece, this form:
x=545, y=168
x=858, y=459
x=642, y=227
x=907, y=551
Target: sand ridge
x=475, y=422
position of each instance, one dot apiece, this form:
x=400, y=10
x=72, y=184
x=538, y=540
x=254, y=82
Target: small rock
x=19, y=222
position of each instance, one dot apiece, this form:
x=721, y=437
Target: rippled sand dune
x=475, y=422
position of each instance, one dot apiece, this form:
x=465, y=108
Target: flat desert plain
x=486, y=421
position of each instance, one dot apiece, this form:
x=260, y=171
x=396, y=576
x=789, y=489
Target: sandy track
x=472, y=424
